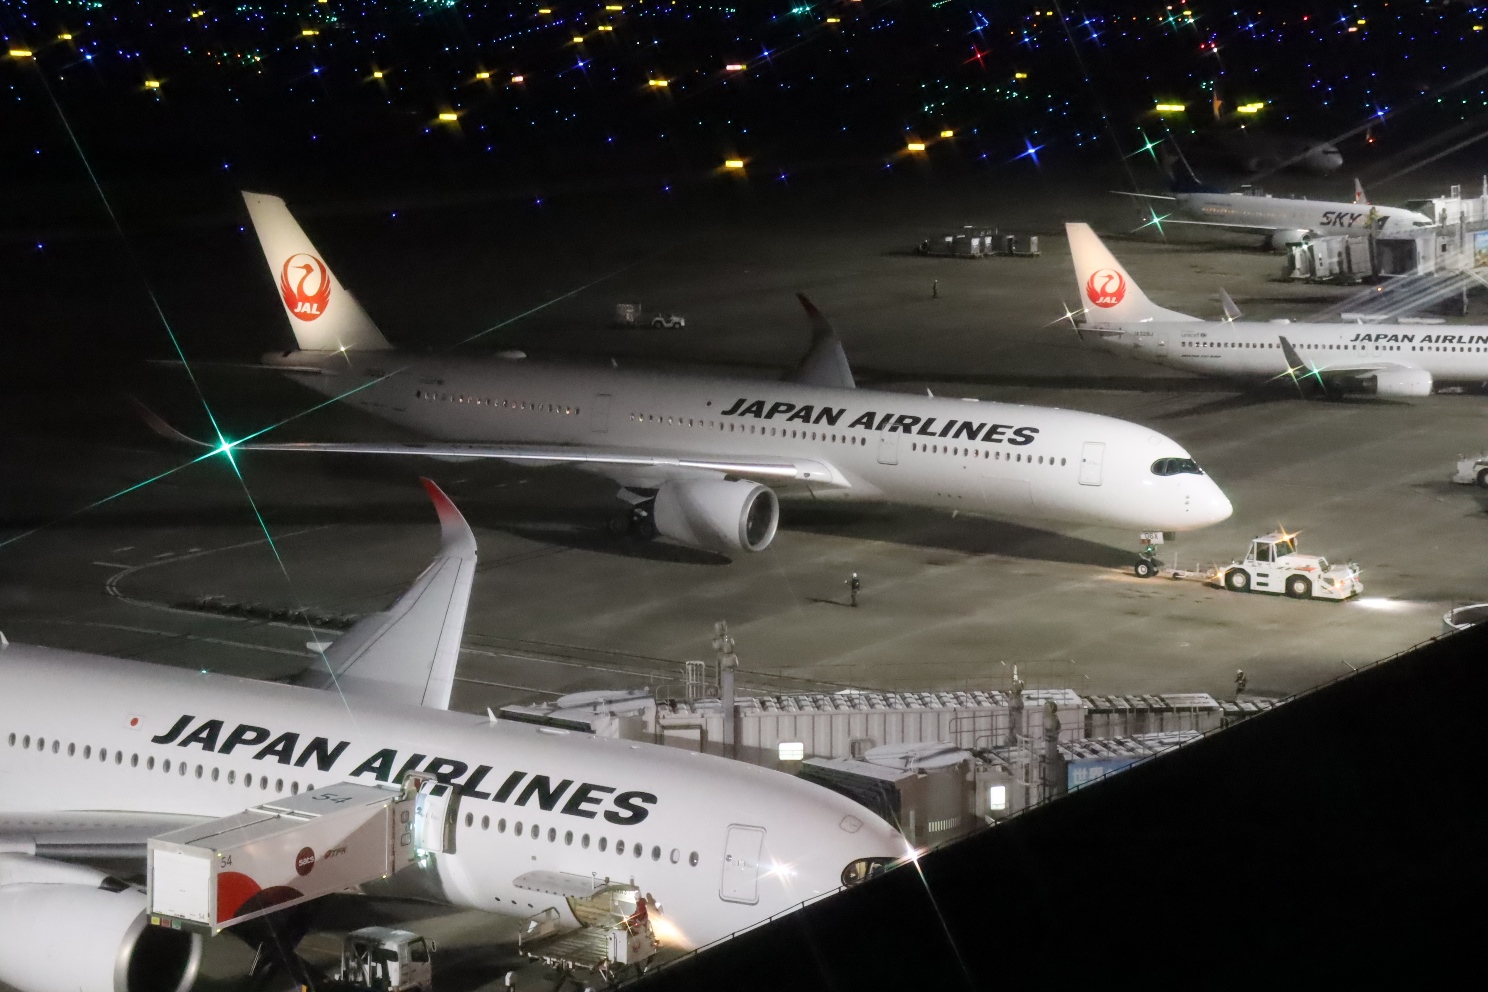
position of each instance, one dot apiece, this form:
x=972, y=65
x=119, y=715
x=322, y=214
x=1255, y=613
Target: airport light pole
x=728, y=661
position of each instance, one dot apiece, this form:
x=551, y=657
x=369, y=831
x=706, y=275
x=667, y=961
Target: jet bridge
x=216, y=874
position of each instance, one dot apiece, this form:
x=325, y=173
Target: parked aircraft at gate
x=698, y=459
x=1282, y=220
x=104, y=753
x=1326, y=359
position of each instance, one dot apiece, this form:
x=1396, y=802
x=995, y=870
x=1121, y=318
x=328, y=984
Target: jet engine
x=1396, y=382
x=69, y=936
x=717, y=514
x=1279, y=239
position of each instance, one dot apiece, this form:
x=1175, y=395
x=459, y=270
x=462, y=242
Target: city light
x=1171, y=108
x=449, y=116
x=734, y=163
x=482, y=75
x=20, y=53
x=916, y=146
x=948, y=134
x=736, y=67
x=152, y=84
x=606, y=27
x=656, y=82
x=1251, y=108
x=309, y=33
x=1020, y=75
x=64, y=36
x=376, y=73
x=519, y=79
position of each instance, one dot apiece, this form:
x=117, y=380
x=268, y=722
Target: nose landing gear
x=1148, y=564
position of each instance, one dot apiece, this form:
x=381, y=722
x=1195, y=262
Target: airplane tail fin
x=1231, y=311
x=323, y=315
x=1108, y=292
x=1359, y=196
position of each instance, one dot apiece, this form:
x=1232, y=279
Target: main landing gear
x=636, y=520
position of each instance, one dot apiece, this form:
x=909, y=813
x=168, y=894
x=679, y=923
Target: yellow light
x=64, y=36
x=834, y=20
x=519, y=79
x=449, y=117
x=734, y=163
x=197, y=13
x=309, y=33
x=482, y=75
x=613, y=6
x=544, y=10
x=1477, y=27
x=740, y=66
x=948, y=134
x=1020, y=75
x=1361, y=22
x=152, y=84
x=656, y=82
x=605, y=27
x=376, y=73
x=578, y=39
x=1171, y=108
x=916, y=146
x=1352, y=30
x=1251, y=108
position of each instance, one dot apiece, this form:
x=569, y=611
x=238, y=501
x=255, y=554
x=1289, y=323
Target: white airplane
x=696, y=457
x=1281, y=220
x=99, y=754
x=1323, y=359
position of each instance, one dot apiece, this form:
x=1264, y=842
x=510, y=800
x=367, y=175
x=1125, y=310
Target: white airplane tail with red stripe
x=1107, y=291
x=323, y=315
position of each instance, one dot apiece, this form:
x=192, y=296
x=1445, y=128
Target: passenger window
x=535, y=829
x=165, y=767
x=552, y=835
x=469, y=819
x=655, y=854
x=198, y=771
x=584, y=842
x=485, y=823
x=602, y=843
x=637, y=850
x=215, y=773
x=676, y=855
x=182, y=769
x=12, y=740
x=692, y=859
x=619, y=847
x=568, y=838
x=87, y=749
x=232, y=778
x=501, y=825
x=71, y=750
x=517, y=830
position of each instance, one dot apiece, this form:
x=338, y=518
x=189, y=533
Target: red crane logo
x=1105, y=287
x=305, y=285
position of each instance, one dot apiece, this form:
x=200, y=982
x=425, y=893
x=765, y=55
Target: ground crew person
x=853, y=585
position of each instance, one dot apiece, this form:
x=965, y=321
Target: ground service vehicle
x=381, y=959
x=1272, y=564
x=1472, y=470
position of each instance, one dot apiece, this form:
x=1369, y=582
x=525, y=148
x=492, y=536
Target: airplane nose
x=1214, y=506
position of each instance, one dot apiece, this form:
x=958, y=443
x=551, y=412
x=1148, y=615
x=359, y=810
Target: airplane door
x=1091, y=456
x=435, y=814
x=741, y=853
x=888, y=449
x=599, y=414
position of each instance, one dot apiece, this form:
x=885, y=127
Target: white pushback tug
x=1272, y=564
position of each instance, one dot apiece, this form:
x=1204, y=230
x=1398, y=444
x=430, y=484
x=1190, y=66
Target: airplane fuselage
x=1252, y=349
x=1319, y=217
x=1003, y=460
x=127, y=736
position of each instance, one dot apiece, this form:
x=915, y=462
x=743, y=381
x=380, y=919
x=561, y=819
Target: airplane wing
x=408, y=652
x=1144, y=196
x=658, y=463
x=1257, y=228
x=86, y=833
x=1303, y=370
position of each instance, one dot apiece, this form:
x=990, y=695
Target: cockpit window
x=863, y=869
x=1176, y=466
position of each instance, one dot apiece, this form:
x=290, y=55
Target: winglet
x=455, y=537
x=1231, y=311
x=157, y=424
x=1296, y=365
x=826, y=363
